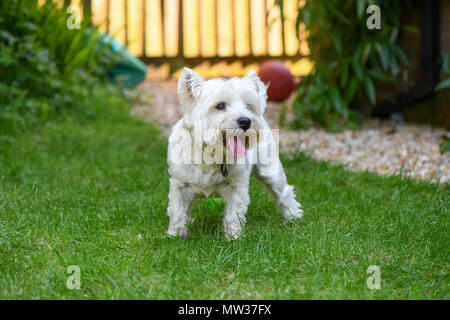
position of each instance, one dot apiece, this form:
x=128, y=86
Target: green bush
x=348, y=58
x=45, y=67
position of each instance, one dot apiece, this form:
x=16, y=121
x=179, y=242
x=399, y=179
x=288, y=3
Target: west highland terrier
x=222, y=139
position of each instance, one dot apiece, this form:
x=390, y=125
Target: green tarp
x=130, y=70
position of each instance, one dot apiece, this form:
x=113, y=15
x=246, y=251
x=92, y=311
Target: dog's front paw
x=232, y=232
x=229, y=236
x=181, y=232
x=294, y=211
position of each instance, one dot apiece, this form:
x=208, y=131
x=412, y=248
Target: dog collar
x=224, y=169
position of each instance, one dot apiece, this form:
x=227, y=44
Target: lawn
x=92, y=192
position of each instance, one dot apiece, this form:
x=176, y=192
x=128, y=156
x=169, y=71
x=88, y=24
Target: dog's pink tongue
x=237, y=147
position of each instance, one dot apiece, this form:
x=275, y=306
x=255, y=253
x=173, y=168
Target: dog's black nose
x=244, y=123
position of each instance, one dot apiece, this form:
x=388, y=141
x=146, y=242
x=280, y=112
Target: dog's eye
x=221, y=106
x=251, y=107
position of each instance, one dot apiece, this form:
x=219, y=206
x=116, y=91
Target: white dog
x=222, y=139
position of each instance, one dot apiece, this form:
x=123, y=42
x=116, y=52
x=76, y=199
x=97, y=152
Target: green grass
x=93, y=193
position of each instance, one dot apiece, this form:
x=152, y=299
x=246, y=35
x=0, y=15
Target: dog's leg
x=237, y=199
x=180, y=200
x=275, y=180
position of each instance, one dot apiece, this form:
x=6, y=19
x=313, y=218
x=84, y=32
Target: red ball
x=280, y=79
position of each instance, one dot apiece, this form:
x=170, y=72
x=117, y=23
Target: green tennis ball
x=214, y=204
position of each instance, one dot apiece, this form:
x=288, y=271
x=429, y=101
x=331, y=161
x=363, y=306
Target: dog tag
x=224, y=169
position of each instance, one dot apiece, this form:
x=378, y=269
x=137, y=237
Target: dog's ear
x=190, y=86
x=260, y=88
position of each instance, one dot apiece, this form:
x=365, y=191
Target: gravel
x=383, y=147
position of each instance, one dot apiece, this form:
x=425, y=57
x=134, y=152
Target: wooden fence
x=189, y=32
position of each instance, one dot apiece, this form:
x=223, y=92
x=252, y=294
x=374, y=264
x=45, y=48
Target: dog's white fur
x=243, y=97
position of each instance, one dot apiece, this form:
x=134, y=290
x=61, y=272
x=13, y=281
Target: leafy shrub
x=348, y=57
x=45, y=68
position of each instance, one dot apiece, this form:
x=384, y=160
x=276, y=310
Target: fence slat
x=180, y=29
x=134, y=27
x=249, y=28
x=225, y=25
x=143, y=29
x=108, y=30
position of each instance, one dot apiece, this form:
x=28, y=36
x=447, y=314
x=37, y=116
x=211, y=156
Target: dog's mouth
x=235, y=145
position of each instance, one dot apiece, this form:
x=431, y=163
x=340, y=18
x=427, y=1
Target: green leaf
x=360, y=8
x=394, y=66
x=381, y=76
x=337, y=42
x=443, y=85
x=370, y=90
x=384, y=55
x=394, y=35
x=411, y=29
x=345, y=110
x=7, y=60
x=337, y=100
x=344, y=76
x=366, y=52
x=351, y=90
x=358, y=70
x=336, y=13
x=399, y=53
